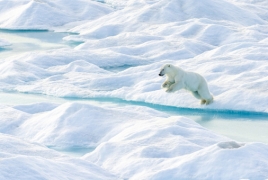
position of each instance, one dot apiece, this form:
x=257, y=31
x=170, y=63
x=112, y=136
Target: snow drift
x=46, y=14
x=124, y=47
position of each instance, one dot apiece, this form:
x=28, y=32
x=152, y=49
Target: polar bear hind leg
x=206, y=97
x=208, y=101
x=196, y=94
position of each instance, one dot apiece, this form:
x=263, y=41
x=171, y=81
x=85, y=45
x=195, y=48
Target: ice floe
x=130, y=142
x=26, y=160
x=123, y=45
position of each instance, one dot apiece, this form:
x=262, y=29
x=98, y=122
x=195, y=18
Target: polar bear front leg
x=175, y=87
x=166, y=84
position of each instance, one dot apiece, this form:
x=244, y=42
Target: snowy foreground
x=131, y=142
x=4, y=43
x=124, y=45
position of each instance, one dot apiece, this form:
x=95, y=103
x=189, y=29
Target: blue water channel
x=238, y=125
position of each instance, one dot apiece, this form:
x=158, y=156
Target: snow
x=211, y=43
x=4, y=43
x=75, y=73
x=46, y=14
x=26, y=160
x=124, y=45
x=127, y=139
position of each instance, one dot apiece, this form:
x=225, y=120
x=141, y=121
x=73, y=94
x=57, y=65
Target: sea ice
x=48, y=14
x=4, y=43
x=26, y=160
x=124, y=45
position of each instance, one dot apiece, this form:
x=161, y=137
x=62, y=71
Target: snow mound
x=75, y=124
x=205, y=164
x=149, y=13
x=46, y=14
x=177, y=148
x=131, y=142
x=28, y=160
x=11, y=119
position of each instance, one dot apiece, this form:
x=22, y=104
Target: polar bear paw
x=166, y=84
x=203, y=101
x=207, y=102
x=169, y=90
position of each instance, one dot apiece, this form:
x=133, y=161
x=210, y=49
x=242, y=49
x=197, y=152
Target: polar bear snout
x=162, y=73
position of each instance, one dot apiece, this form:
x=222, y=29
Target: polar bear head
x=166, y=69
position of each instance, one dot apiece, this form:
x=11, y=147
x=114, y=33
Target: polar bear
x=176, y=79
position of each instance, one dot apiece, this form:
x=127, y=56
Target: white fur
x=176, y=79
